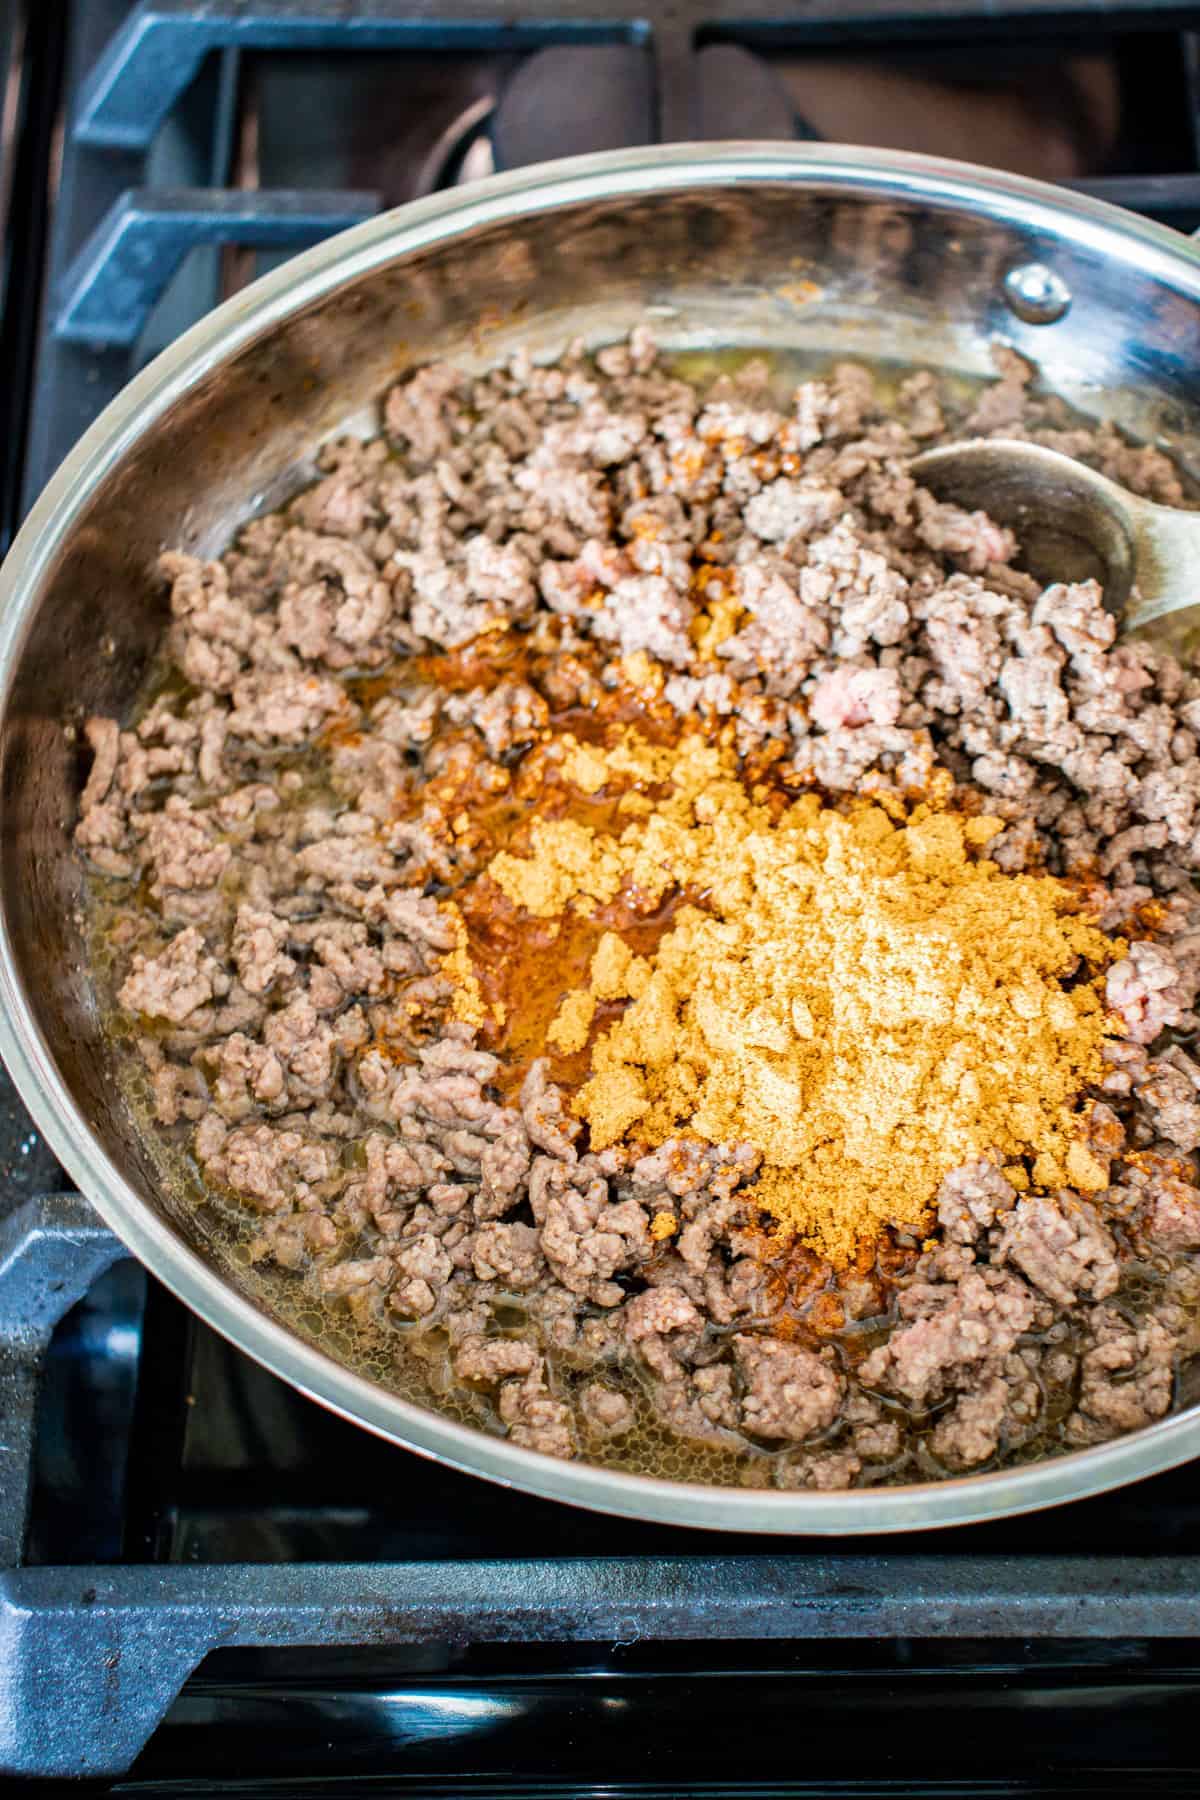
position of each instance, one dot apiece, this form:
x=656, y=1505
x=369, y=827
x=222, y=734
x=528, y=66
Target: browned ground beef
x=274, y=835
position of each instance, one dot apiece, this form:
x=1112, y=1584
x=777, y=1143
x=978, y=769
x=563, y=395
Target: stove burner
x=574, y=100
x=569, y=101
x=738, y=95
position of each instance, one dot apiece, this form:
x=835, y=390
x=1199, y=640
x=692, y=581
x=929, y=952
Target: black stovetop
x=218, y=1587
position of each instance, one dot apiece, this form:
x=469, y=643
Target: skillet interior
x=832, y=253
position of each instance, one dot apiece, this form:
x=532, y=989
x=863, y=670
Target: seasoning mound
x=858, y=994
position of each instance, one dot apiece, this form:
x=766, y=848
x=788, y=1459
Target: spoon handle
x=1166, y=556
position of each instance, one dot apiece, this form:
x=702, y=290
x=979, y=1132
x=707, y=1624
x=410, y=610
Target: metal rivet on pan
x=1036, y=294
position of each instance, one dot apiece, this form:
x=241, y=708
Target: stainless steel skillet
x=817, y=250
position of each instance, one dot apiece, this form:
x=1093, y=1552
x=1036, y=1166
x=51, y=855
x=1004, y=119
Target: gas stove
x=208, y=1584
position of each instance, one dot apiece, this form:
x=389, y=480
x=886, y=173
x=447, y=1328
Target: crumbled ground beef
x=1062, y=1247
x=790, y=1392
x=959, y=1327
x=1126, y=1374
x=605, y=1411
x=174, y=984
x=367, y=681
